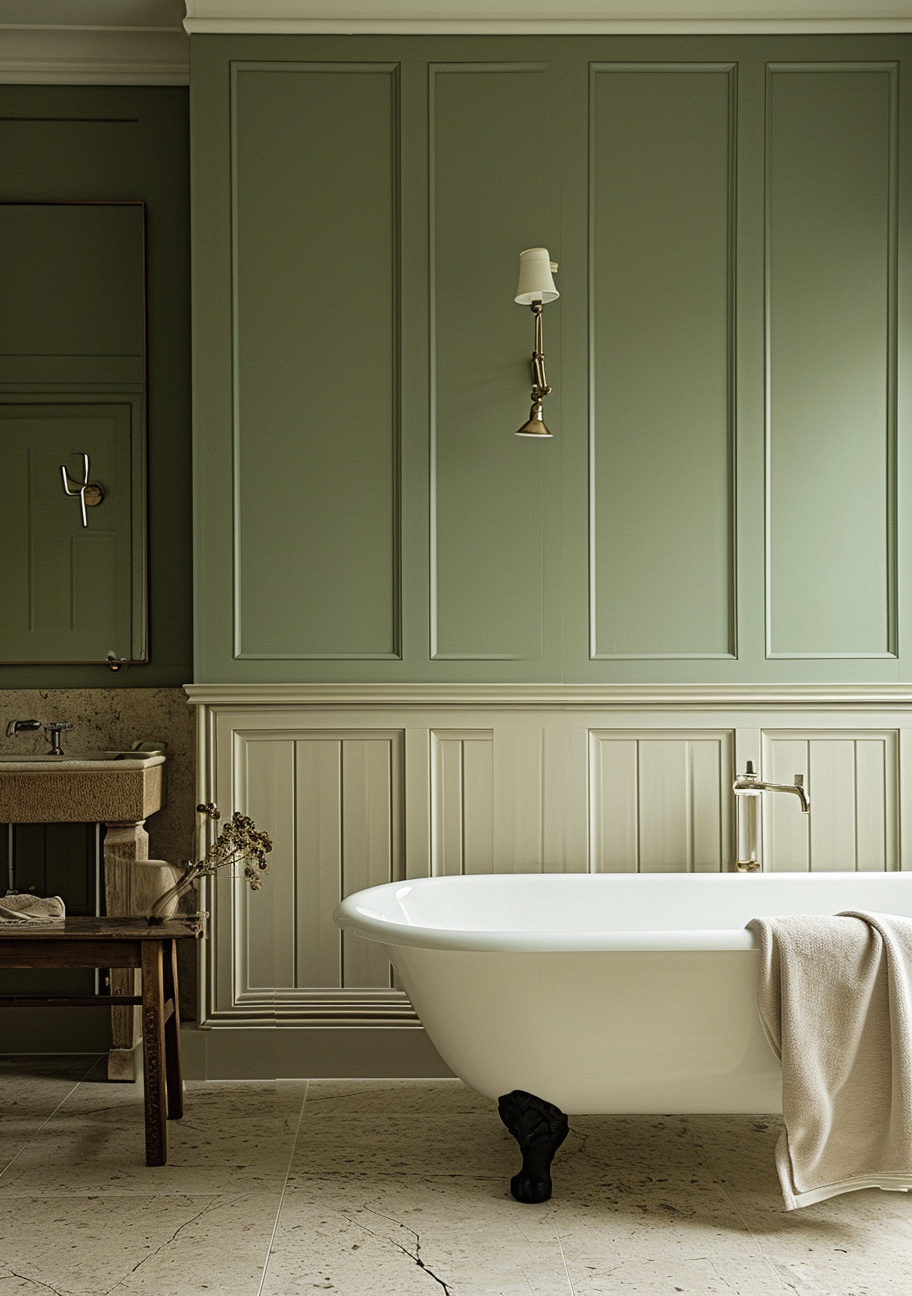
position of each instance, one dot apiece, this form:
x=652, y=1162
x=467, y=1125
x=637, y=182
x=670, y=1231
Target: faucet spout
x=797, y=787
x=748, y=789
x=53, y=730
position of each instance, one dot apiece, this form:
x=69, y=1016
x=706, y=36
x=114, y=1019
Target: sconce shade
x=536, y=426
x=535, y=281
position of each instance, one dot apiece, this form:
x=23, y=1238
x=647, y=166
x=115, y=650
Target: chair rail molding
x=555, y=696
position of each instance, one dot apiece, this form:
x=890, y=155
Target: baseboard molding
x=240, y=1053
x=272, y=1053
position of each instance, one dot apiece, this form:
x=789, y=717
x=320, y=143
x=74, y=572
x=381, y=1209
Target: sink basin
x=10, y=761
x=81, y=787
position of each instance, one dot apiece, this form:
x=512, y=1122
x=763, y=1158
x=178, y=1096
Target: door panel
x=67, y=590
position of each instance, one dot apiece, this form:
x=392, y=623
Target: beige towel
x=31, y=911
x=835, y=999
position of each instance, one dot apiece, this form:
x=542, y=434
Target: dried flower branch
x=239, y=842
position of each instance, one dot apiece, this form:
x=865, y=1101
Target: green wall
x=113, y=143
x=724, y=497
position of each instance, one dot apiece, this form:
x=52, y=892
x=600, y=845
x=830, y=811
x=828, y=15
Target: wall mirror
x=72, y=433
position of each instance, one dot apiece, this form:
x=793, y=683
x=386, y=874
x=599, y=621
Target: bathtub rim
x=358, y=915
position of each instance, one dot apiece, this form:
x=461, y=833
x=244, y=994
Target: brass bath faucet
x=748, y=788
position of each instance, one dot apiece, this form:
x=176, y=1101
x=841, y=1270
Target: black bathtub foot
x=539, y=1128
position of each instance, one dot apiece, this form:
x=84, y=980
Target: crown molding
x=562, y=697
x=47, y=55
x=106, y=54
x=546, y=17
x=430, y=26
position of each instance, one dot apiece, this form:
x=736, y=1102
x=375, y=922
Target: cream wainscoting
x=366, y=784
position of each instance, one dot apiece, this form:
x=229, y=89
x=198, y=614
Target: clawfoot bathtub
x=568, y=993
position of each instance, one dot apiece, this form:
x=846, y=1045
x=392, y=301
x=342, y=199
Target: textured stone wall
x=113, y=719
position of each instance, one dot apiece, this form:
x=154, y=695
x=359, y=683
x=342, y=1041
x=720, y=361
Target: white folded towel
x=32, y=911
x=835, y=1000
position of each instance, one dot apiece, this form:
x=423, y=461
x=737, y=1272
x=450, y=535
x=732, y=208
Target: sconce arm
x=540, y=386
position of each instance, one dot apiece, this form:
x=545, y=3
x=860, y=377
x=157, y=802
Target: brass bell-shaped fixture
x=536, y=426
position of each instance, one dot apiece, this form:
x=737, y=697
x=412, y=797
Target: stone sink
x=90, y=787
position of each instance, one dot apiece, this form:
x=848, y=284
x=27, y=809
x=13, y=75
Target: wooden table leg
x=153, y=1033
x=173, y=1074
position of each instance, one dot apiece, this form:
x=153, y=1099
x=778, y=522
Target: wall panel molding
x=662, y=137
x=462, y=801
x=317, y=549
x=487, y=489
x=659, y=801
x=358, y=796
x=333, y=802
x=854, y=822
x=831, y=222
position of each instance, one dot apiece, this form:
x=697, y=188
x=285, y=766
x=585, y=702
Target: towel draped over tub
x=835, y=1000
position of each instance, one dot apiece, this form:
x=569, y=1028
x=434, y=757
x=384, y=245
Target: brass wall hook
x=90, y=493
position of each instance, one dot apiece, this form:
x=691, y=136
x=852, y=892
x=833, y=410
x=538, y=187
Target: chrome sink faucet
x=748, y=788
x=53, y=730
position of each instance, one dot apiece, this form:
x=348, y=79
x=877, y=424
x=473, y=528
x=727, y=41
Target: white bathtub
x=602, y=992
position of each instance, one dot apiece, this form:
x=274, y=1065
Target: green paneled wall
x=316, y=389
x=831, y=262
x=489, y=490
x=723, y=498
x=116, y=144
x=662, y=233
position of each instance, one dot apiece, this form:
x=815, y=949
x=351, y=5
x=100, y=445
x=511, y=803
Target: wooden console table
x=118, y=943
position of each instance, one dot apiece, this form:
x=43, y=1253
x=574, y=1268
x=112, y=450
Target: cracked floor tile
x=403, y=1187
x=355, y=1237
x=317, y=1247
x=220, y=1252
x=170, y=1245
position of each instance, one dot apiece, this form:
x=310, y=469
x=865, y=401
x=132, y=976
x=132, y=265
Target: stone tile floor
x=395, y=1188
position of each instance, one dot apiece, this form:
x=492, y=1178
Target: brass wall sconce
x=536, y=286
